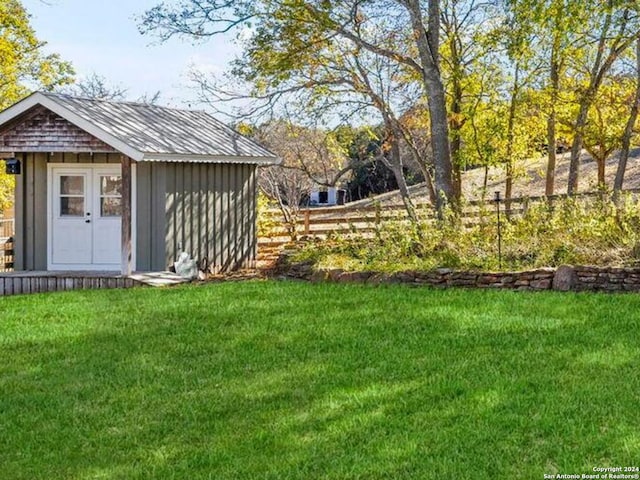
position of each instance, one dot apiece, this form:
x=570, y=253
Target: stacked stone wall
x=564, y=278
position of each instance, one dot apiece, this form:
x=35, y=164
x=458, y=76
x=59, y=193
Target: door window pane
x=110, y=206
x=71, y=185
x=71, y=195
x=111, y=185
x=110, y=195
x=72, y=206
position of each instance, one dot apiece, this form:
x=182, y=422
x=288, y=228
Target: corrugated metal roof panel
x=160, y=130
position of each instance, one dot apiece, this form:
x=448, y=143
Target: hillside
x=530, y=179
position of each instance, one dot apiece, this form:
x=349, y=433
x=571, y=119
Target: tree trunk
x=595, y=79
x=601, y=162
x=599, y=153
x=628, y=131
x=396, y=166
x=428, y=181
x=427, y=42
x=508, y=188
x=457, y=168
x=440, y=145
x=576, y=147
x=405, y=195
x=508, y=192
x=428, y=178
x=485, y=182
x=551, y=155
x=456, y=126
x=551, y=122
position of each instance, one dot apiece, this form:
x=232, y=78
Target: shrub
x=586, y=231
x=267, y=223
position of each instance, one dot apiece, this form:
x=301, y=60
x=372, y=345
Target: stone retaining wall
x=607, y=279
x=564, y=278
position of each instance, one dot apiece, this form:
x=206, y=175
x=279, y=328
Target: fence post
x=307, y=222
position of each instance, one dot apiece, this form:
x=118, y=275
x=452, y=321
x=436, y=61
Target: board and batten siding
x=205, y=209
x=151, y=224
x=210, y=213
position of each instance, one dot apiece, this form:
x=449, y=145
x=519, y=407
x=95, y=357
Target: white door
x=72, y=230
x=86, y=206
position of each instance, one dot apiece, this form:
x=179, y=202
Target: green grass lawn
x=286, y=380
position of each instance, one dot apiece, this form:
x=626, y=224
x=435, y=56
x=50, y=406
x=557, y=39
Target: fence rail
x=324, y=221
x=346, y=219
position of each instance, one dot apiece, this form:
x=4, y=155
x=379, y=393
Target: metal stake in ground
x=497, y=199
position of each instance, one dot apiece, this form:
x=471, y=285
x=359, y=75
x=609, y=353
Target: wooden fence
x=6, y=254
x=7, y=227
x=320, y=222
x=6, y=244
x=363, y=220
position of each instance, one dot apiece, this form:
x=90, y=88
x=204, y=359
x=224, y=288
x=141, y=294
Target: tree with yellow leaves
x=23, y=65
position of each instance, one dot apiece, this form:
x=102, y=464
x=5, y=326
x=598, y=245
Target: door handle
x=87, y=221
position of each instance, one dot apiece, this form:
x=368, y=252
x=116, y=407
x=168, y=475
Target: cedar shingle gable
x=41, y=130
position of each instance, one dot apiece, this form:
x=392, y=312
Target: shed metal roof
x=149, y=132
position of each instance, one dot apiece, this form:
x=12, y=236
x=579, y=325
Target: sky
x=101, y=37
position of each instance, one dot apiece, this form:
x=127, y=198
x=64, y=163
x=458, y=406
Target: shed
x=128, y=186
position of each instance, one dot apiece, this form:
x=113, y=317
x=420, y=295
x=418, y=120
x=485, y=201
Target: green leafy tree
x=297, y=39
x=23, y=66
x=555, y=28
x=558, y=21
x=467, y=52
x=23, y=63
x=613, y=27
x=605, y=125
x=629, y=128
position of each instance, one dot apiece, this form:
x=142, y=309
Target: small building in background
x=327, y=196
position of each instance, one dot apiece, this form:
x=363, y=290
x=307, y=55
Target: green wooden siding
x=211, y=214
x=207, y=210
x=150, y=221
